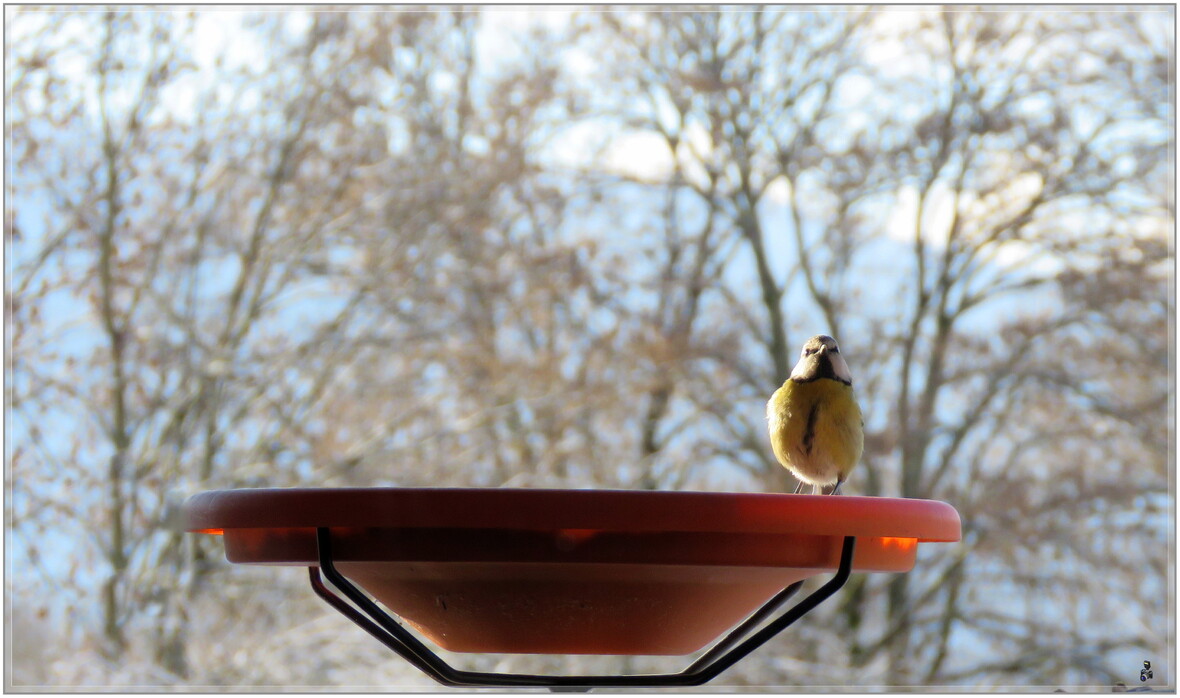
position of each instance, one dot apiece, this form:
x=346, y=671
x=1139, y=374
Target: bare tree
x=737, y=125
x=1012, y=168
x=189, y=266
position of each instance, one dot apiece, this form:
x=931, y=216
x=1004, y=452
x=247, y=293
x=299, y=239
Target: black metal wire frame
x=735, y=647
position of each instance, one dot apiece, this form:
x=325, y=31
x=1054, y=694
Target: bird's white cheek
x=840, y=367
x=804, y=367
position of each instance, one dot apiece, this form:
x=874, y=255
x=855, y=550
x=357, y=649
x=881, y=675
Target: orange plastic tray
x=570, y=571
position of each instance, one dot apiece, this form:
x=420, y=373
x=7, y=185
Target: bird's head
x=821, y=358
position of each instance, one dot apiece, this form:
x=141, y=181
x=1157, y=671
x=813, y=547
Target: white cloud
x=639, y=154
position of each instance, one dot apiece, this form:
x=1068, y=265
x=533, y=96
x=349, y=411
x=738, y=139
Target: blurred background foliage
x=558, y=248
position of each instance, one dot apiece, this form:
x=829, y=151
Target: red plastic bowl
x=570, y=571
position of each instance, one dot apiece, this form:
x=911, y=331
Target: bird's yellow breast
x=816, y=429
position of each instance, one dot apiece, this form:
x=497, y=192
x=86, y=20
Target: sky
x=219, y=32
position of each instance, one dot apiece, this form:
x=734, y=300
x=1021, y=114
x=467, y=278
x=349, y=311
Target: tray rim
x=637, y=511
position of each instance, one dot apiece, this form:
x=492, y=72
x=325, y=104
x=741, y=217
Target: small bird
x=816, y=428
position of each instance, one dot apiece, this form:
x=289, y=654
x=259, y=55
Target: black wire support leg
x=735, y=647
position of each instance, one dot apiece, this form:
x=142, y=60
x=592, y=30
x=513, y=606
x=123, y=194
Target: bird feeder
x=569, y=571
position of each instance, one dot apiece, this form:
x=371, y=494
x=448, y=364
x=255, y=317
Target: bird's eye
x=808, y=351
x=835, y=350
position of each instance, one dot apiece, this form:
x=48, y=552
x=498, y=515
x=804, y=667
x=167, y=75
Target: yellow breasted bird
x=816, y=428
